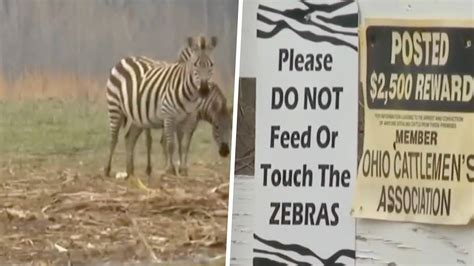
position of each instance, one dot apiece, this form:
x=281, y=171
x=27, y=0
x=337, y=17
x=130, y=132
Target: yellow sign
x=417, y=163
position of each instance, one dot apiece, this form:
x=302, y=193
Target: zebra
x=143, y=93
x=212, y=109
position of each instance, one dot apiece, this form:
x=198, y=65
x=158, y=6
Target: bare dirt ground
x=53, y=215
x=57, y=207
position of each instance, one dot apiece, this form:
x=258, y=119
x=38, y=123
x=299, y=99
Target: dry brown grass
x=54, y=214
x=55, y=205
x=41, y=84
x=36, y=85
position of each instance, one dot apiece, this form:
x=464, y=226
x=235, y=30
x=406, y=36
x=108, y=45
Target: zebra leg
x=182, y=168
x=115, y=124
x=131, y=140
x=164, y=149
x=148, y=151
x=169, y=131
x=186, y=142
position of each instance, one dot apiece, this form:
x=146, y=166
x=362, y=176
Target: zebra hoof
x=171, y=171
x=148, y=171
x=107, y=171
x=183, y=171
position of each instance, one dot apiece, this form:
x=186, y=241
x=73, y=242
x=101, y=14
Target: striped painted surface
x=377, y=242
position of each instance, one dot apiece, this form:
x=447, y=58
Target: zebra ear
x=213, y=42
x=202, y=42
x=190, y=41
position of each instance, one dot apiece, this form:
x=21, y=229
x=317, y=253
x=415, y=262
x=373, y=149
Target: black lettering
x=334, y=208
x=366, y=163
x=310, y=209
x=277, y=98
x=297, y=213
x=345, y=177
x=303, y=213
x=288, y=98
x=265, y=168
x=285, y=213
x=446, y=202
x=391, y=200
x=324, y=105
x=386, y=164
x=291, y=91
x=423, y=200
x=291, y=59
x=436, y=201
x=323, y=214
x=398, y=203
x=274, y=135
x=283, y=57
x=328, y=62
x=276, y=178
x=323, y=168
x=323, y=136
x=309, y=65
x=470, y=166
x=399, y=136
x=298, y=60
x=293, y=140
x=336, y=178
x=289, y=176
x=285, y=136
x=382, y=200
x=337, y=91
x=406, y=200
x=318, y=65
x=456, y=167
x=310, y=98
x=310, y=62
x=307, y=176
x=434, y=138
x=276, y=208
x=414, y=203
x=418, y=137
x=322, y=98
x=396, y=170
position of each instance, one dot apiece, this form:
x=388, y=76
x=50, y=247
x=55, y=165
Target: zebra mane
x=201, y=43
x=184, y=54
x=196, y=43
x=214, y=105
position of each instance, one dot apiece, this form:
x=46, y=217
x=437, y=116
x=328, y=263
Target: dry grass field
x=57, y=207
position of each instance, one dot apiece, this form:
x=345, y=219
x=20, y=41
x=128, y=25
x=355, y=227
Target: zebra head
x=222, y=130
x=202, y=64
x=214, y=109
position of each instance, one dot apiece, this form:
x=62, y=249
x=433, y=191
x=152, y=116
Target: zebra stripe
x=212, y=109
x=185, y=54
x=333, y=23
x=144, y=93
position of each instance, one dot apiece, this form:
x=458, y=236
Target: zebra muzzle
x=224, y=150
x=204, y=89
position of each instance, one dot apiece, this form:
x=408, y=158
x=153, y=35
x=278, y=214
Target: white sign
x=306, y=132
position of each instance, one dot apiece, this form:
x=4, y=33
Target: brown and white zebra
x=143, y=93
x=213, y=109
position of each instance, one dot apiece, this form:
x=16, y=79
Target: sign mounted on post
x=306, y=132
x=418, y=159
